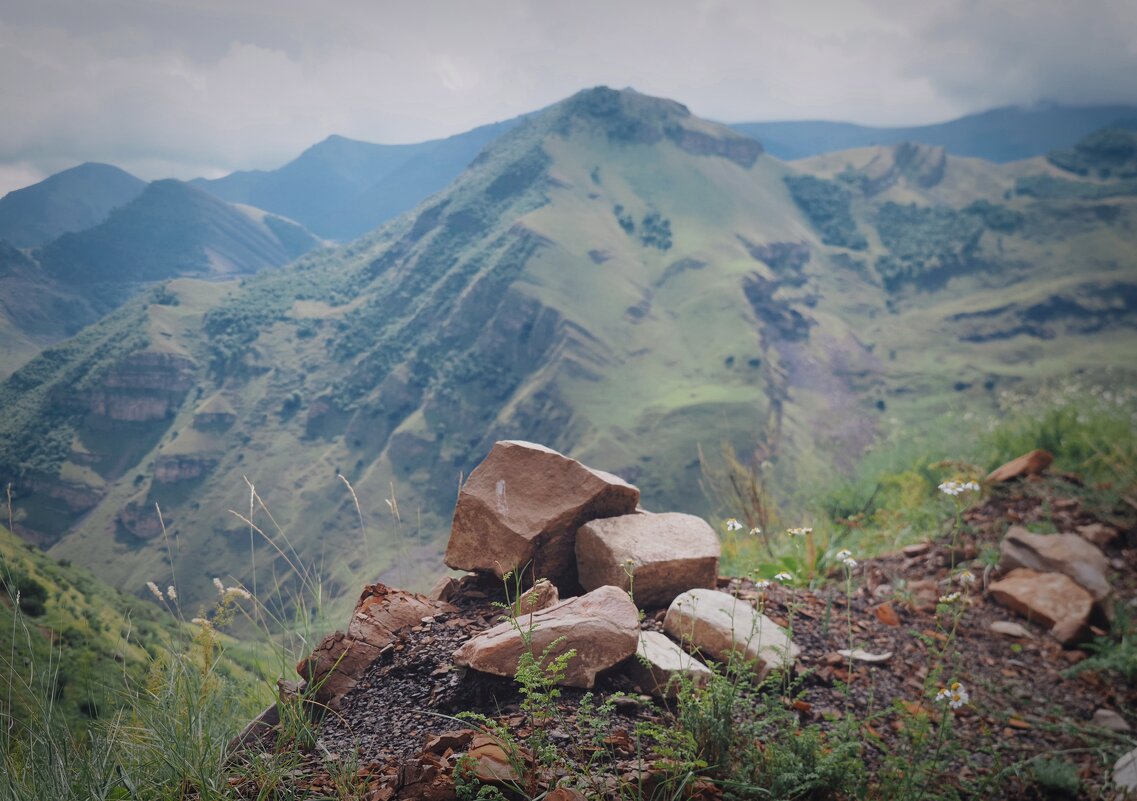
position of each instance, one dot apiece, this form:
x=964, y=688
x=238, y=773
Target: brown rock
x=1029, y=464
x=1051, y=599
x=339, y=661
x=1057, y=553
x=541, y=595
x=491, y=762
x=521, y=508
x=719, y=625
x=1099, y=534
x=602, y=626
x=665, y=553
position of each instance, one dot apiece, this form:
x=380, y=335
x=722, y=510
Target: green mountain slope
x=614, y=278
x=68, y=201
x=1001, y=134
x=342, y=188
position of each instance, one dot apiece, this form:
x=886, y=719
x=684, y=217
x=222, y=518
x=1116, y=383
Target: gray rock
x=665, y=553
x=719, y=625
x=1125, y=774
x=660, y=665
x=1108, y=719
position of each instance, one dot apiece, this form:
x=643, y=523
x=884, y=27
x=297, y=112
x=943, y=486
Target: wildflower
x=762, y=584
x=950, y=598
x=201, y=621
x=800, y=531
x=150, y=585
x=733, y=525
x=220, y=587
x=956, y=695
x=966, y=578
x=849, y=562
x=173, y=593
x=958, y=487
x=755, y=532
x=784, y=576
x=843, y=554
x=239, y=592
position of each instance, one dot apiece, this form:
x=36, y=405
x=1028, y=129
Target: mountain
x=174, y=229
x=614, y=278
x=1000, y=135
x=341, y=188
x=169, y=230
x=71, y=200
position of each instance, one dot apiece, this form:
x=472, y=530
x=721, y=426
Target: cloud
x=187, y=87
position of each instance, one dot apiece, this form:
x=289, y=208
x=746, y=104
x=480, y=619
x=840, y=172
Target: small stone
x=916, y=549
x=1009, y=628
x=1108, y=719
x=1125, y=772
x=1029, y=464
x=857, y=655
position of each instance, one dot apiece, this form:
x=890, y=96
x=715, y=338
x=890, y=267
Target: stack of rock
x=531, y=513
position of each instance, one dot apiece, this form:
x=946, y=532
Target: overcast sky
x=203, y=87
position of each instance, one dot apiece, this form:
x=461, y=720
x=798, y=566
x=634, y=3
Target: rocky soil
x=1029, y=695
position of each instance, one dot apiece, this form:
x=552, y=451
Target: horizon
x=198, y=88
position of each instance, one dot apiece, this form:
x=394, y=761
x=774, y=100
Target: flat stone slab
x=521, y=509
x=1069, y=554
x=1029, y=464
x=602, y=626
x=1052, y=599
x=339, y=661
x=719, y=625
x=665, y=554
x=660, y=665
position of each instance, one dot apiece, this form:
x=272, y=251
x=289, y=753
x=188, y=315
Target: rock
x=444, y=589
x=1108, y=719
x=1029, y=464
x=666, y=553
x=660, y=663
x=1052, y=599
x=1125, y=774
x=1008, y=628
x=602, y=626
x=1099, y=534
x=521, y=508
x=541, y=595
x=339, y=661
x=1057, y=553
x=490, y=761
x=719, y=625
x=857, y=655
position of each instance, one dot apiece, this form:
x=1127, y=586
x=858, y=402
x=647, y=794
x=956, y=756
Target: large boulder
x=339, y=661
x=521, y=508
x=1052, y=599
x=665, y=553
x=602, y=627
x=720, y=625
x=660, y=665
x=1070, y=554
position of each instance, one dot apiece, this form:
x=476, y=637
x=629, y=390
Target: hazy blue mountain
x=174, y=229
x=342, y=188
x=1000, y=135
x=68, y=201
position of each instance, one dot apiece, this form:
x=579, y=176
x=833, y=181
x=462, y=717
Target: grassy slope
x=447, y=360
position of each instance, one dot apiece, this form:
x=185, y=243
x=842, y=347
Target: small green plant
x=1056, y=777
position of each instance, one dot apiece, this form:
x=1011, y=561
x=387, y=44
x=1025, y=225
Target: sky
x=185, y=88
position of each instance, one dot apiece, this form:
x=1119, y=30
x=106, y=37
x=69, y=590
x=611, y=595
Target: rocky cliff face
x=145, y=386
